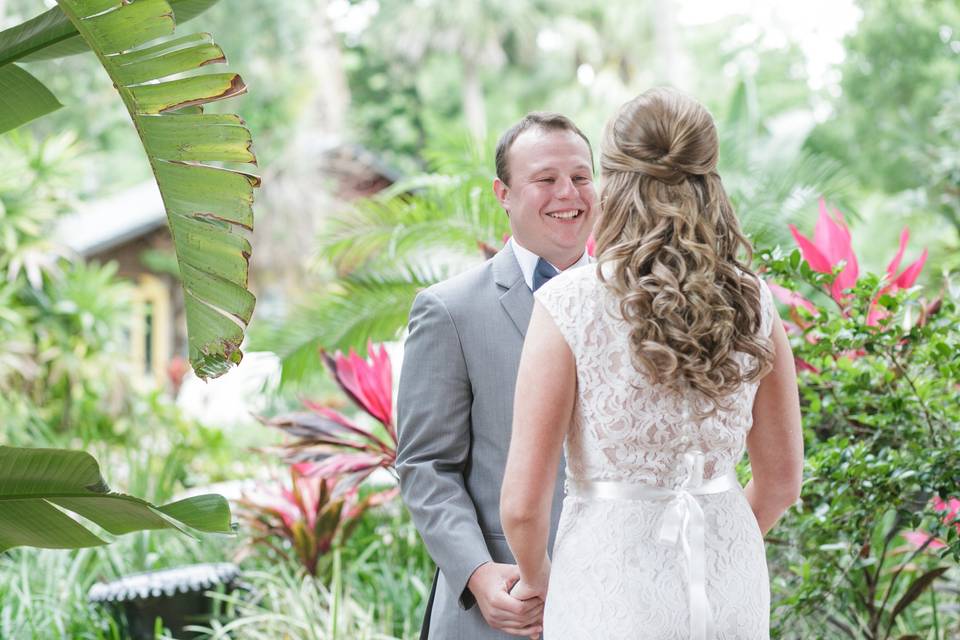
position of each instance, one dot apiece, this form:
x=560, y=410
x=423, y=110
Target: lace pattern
x=611, y=578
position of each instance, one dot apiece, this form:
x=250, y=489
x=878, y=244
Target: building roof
x=99, y=225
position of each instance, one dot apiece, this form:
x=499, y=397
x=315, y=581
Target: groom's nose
x=565, y=188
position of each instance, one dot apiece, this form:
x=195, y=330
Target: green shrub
x=881, y=415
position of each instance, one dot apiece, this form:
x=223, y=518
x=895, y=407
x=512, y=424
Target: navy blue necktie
x=542, y=273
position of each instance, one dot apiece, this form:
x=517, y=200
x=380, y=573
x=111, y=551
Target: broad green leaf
x=209, y=208
x=52, y=35
x=198, y=137
x=129, y=25
x=203, y=513
x=28, y=38
x=22, y=98
x=149, y=99
x=213, y=339
x=38, y=487
x=220, y=194
x=135, y=67
x=238, y=302
x=37, y=523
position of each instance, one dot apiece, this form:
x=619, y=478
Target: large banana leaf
x=39, y=486
x=209, y=208
x=22, y=98
x=52, y=35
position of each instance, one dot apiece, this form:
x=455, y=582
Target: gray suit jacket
x=455, y=412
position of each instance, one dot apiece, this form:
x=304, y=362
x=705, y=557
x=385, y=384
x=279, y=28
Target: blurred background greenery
x=374, y=123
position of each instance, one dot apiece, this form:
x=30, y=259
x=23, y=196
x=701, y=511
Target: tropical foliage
x=878, y=384
x=870, y=551
x=207, y=206
x=308, y=518
x=37, y=485
x=338, y=446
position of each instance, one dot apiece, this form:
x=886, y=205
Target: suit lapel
x=516, y=299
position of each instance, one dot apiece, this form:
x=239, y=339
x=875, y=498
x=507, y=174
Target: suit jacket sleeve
x=433, y=411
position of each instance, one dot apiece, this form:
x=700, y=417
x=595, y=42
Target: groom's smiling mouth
x=566, y=214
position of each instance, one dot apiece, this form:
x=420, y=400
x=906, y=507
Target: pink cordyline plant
x=831, y=245
x=307, y=518
x=336, y=445
x=949, y=511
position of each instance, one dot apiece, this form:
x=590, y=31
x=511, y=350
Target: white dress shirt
x=528, y=261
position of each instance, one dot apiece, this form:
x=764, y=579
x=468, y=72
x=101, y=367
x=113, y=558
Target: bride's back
x=627, y=427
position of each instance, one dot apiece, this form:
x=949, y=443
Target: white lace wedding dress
x=655, y=541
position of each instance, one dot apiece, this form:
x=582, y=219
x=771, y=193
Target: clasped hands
x=509, y=603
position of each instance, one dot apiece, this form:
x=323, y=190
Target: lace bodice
x=626, y=427
x=616, y=574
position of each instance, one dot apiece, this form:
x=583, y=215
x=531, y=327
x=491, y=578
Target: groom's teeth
x=564, y=215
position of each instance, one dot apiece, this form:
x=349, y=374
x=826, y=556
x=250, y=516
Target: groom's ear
x=500, y=190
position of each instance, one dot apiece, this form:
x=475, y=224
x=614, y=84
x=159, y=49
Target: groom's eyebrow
x=581, y=167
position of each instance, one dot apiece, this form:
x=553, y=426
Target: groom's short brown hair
x=545, y=120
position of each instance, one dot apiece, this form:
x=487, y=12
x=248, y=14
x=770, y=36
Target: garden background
x=373, y=123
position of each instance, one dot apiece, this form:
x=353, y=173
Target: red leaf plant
x=830, y=245
x=304, y=520
x=949, y=511
x=336, y=445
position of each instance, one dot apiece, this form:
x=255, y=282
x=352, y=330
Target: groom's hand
x=490, y=585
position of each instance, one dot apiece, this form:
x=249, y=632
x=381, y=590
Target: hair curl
x=671, y=238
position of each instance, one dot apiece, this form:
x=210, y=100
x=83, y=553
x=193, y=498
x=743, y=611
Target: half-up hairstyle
x=671, y=238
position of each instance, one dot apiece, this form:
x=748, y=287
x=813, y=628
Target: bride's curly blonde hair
x=671, y=238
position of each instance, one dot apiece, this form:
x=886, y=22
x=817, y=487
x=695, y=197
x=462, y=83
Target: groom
x=455, y=403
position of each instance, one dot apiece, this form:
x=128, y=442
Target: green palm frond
x=771, y=196
x=357, y=308
x=447, y=213
x=773, y=181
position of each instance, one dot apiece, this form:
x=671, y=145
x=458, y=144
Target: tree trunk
x=474, y=105
x=669, y=61
x=324, y=65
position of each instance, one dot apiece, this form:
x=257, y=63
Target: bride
x=653, y=370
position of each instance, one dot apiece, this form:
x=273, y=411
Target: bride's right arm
x=775, y=442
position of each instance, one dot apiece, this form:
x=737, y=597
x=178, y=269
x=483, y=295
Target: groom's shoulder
x=465, y=287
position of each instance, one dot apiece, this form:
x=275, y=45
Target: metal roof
x=100, y=225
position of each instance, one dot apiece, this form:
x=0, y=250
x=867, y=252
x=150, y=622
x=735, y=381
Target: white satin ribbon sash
x=683, y=523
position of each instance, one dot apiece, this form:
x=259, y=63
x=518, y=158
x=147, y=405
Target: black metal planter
x=174, y=595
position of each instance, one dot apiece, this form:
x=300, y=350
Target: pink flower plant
x=336, y=445
x=949, y=510
x=831, y=245
x=369, y=383
x=306, y=518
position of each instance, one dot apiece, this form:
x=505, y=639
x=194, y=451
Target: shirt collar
x=528, y=261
